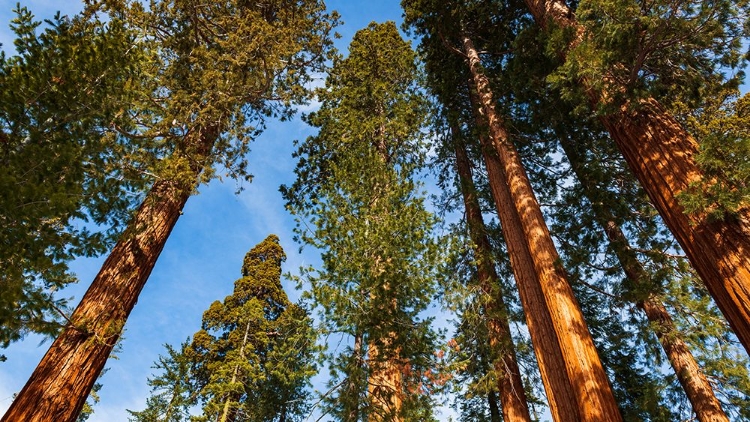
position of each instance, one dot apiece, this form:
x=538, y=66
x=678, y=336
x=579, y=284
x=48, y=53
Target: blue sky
x=204, y=254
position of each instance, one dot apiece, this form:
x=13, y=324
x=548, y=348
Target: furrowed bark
x=509, y=384
x=575, y=381
x=661, y=154
x=697, y=388
x=61, y=383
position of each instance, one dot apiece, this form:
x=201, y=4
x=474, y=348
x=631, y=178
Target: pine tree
x=690, y=375
x=355, y=186
x=632, y=238
x=172, y=391
x=220, y=83
x=574, y=378
x=500, y=350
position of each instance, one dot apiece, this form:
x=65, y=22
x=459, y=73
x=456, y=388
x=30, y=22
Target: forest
x=414, y=210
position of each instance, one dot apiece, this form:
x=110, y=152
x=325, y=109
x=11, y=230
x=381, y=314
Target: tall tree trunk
x=697, y=388
x=494, y=411
x=352, y=388
x=385, y=383
x=572, y=373
x=59, y=386
x=661, y=154
x=509, y=384
x=227, y=401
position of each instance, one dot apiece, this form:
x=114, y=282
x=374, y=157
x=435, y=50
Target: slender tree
x=691, y=377
x=217, y=69
x=355, y=185
x=509, y=385
x=610, y=224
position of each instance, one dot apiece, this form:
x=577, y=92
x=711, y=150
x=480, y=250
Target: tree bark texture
x=385, y=384
x=61, y=383
x=697, y=387
x=385, y=381
x=509, y=384
x=661, y=154
x=572, y=373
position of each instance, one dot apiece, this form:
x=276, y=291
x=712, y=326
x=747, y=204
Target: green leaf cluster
x=723, y=126
x=670, y=50
x=98, y=107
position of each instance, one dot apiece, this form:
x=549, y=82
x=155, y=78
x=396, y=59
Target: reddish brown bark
x=385, y=384
x=61, y=383
x=509, y=384
x=385, y=381
x=572, y=373
x=661, y=154
x=697, y=388
x=705, y=404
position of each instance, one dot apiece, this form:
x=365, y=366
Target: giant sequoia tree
x=253, y=356
x=216, y=71
x=574, y=378
x=251, y=360
x=355, y=187
x=622, y=58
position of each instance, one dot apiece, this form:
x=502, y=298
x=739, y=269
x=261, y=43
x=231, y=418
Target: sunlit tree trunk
x=60, y=384
x=509, y=384
x=574, y=379
x=697, y=388
x=661, y=154
x=385, y=383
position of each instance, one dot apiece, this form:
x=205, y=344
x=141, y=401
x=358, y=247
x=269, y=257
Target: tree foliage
x=251, y=360
x=355, y=187
x=67, y=181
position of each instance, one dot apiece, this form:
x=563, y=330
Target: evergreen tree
x=604, y=222
x=172, y=391
x=252, y=359
x=501, y=351
x=574, y=378
x=624, y=58
x=215, y=72
x=67, y=183
x=253, y=356
x=355, y=185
